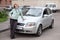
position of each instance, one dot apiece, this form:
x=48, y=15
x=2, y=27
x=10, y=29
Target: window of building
x=6, y=1
x=0, y=1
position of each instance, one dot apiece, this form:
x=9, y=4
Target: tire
x=51, y=26
x=39, y=31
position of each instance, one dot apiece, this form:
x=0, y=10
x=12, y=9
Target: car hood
x=27, y=19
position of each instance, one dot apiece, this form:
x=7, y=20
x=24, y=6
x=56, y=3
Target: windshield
x=34, y=12
x=51, y=6
x=24, y=10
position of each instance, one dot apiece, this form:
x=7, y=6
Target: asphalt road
x=48, y=34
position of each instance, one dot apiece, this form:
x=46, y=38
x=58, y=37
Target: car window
x=45, y=12
x=49, y=11
x=34, y=12
x=51, y=5
x=54, y=5
x=24, y=10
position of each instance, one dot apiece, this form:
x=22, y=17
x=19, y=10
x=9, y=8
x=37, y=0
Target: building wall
x=5, y=2
x=36, y=2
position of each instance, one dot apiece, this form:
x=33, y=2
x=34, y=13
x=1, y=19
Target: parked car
x=35, y=20
x=8, y=8
x=52, y=6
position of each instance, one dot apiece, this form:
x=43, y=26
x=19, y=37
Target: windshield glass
x=34, y=12
x=51, y=6
x=24, y=10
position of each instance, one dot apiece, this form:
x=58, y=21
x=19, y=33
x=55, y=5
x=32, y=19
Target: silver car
x=35, y=20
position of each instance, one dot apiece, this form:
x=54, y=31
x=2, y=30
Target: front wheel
x=39, y=31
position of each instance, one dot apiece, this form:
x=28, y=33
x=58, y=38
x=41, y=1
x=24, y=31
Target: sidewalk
x=4, y=26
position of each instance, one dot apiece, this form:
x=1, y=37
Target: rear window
x=51, y=5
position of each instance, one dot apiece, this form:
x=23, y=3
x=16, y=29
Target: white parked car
x=52, y=6
x=35, y=20
x=8, y=8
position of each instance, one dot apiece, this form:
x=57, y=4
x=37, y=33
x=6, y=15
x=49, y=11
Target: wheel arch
x=39, y=26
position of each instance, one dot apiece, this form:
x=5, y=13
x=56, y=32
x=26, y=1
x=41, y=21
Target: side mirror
x=45, y=15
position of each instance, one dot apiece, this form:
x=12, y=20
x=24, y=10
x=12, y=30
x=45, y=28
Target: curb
x=4, y=30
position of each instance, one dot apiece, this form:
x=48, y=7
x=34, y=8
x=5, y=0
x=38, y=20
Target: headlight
x=30, y=24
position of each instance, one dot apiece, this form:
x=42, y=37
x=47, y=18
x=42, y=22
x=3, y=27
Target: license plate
x=19, y=27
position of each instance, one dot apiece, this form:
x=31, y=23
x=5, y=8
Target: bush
x=3, y=15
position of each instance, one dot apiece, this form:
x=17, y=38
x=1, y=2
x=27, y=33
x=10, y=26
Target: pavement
x=4, y=26
x=48, y=34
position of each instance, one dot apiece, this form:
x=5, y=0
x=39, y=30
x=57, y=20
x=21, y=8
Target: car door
x=45, y=17
x=49, y=17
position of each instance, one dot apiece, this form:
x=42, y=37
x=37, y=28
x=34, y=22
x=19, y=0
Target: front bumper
x=28, y=30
